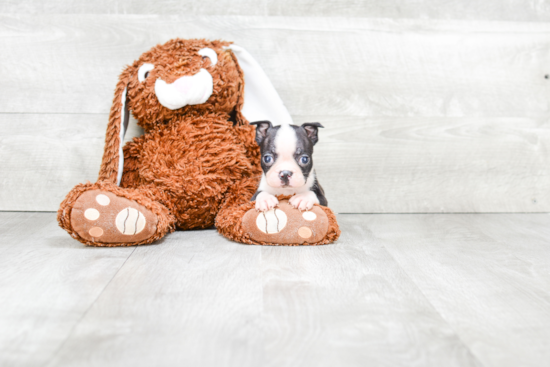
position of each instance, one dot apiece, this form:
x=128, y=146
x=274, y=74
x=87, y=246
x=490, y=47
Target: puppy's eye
x=211, y=54
x=144, y=70
x=268, y=159
x=304, y=160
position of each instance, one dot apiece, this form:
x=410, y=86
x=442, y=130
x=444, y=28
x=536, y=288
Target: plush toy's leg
x=103, y=214
x=284, y=225
x=229, y=218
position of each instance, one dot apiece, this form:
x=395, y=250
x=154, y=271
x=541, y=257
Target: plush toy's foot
x=285, y=225
x=104, y=214
x=100, y=216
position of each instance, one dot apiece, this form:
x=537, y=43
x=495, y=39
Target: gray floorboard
x=487, y=275
x=47, y=283
x=396, y=290
x=351, y=304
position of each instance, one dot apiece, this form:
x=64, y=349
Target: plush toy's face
x=182, y=77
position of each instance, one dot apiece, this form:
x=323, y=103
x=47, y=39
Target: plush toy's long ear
x=112, y=164
x=261, y=100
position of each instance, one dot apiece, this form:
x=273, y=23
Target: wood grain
x=423, y=165
x=47, y=283
x=395, y=290
x=350, y=305
x=327, y=66
x=379, y=165
x=510, y=10
x=193, y=300
x=42, y=157
x=488, y=276
x=420, y=115
x=200, y=300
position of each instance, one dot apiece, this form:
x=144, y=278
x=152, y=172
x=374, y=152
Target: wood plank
x=193, y=300
x=488, y=276
x=379, y=165
x=43, y=156
x=511, y=10
x=396, y=290
x=386, y=165
x=349, y=304
x=208, y=7
x=197, y=300
x=47, y=283
x=328, y=66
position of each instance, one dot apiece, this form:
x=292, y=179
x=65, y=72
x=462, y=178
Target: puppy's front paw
x=265, y=201
x=304, y=201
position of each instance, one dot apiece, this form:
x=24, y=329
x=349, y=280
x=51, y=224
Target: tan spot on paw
x=96, y=232
x=304, y=232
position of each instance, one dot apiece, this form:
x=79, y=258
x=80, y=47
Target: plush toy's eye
x=144, y=70
x=304, y=159
x=211, y=54
x=268, y=159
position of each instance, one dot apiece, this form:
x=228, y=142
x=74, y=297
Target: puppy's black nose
x=285, y=175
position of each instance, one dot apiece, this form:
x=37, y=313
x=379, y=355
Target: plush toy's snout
x=187, y=90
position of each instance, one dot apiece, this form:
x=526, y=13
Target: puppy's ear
x=312, y=132
x=261, y=130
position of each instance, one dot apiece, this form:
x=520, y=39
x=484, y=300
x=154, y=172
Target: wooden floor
x=396, y=290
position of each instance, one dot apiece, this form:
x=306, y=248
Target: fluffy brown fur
x=191, y=164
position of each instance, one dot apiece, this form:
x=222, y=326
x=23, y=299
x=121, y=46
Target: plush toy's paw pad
x=100, y=216
x=285, y=225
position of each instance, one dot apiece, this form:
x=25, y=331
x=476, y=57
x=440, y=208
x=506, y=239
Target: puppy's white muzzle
x=187, y=90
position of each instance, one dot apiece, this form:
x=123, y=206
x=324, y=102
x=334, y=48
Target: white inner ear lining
x=261, y=100
x=122, y=133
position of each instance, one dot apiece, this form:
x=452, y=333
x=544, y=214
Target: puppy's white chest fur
x=265, y=187
x=303, y=198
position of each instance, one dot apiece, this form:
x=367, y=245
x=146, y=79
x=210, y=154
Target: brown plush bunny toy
x=196, y=164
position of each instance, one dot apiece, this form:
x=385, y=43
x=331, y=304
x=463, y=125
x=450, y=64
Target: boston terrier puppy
x=287, y=163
